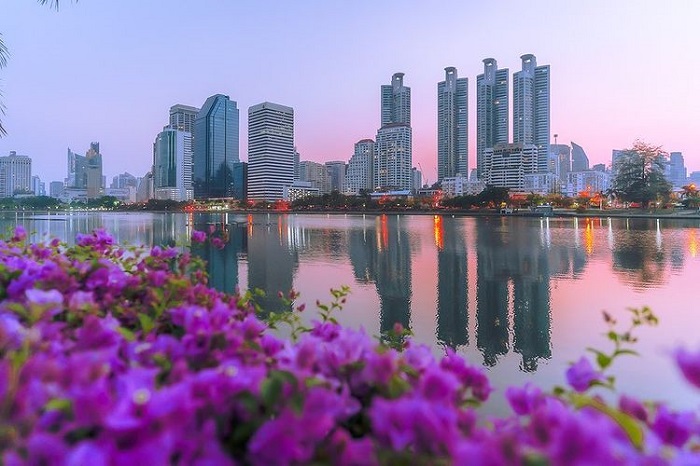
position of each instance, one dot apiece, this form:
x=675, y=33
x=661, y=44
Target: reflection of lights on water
x=577, y=234
x=588, y=237
x=438, y=232
x=692, y=243
x=611, y=239
x=658, y=235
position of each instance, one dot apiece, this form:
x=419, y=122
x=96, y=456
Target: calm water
x=522, y=296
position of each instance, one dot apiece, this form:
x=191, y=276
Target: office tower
x=452, y=147
x=677, y=172
x=56, y=189
x=491, y=110
x=335, y=171
x=314, y=173
x=215, y=148
x=38, y=186
x=15, y=175
x=270, y=151
x=396, y=102
x=297, y=158
x=93, y=161
x=579, y=159
x=562, y=156
x=531, y=107
x=125, y=180
x=77, y=171
x=359, y=176
x=172, y=165
x=416, y=179
x=392, y=162
x=182, y=117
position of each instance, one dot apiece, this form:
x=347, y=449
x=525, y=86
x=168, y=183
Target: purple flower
x=525, y=399
x=633, y=407
x=689, y=363
x=581, y=375
x=198, y=236
x=20, y=234
x=673, y=428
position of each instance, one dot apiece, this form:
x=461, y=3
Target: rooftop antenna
x=555, y=138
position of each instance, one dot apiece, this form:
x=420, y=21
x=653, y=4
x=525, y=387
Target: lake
x=522, y=296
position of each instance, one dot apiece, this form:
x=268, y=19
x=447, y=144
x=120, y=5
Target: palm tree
x=5, y=55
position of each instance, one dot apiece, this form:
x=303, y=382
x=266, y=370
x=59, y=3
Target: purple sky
x=108, y=71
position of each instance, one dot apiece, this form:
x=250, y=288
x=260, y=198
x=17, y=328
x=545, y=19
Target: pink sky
x=109, y=71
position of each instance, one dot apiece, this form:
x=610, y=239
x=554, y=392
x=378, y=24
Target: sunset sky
x=108, y=71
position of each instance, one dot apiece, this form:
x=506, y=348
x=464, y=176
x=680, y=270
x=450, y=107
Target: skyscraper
x=93, y=160
x=336, y=171
x=270, y=151
x=172, y=165
x=579, y=159
x=491, y=110
x=15, y=175
x=452, y=133
x=182, y=117
x=677, y=172
x=215, y=148
x=531, y=111
x=396, y=101
x=394, y=149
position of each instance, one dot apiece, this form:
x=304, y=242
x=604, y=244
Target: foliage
x=113, y=356
x=639, y=174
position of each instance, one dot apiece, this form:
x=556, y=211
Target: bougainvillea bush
x=112, y=355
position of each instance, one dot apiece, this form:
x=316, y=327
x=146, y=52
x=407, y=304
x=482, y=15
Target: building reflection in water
x=221, y=261
x=272, y=258
x=382, y=255
x=452, y=281
x=508, y=262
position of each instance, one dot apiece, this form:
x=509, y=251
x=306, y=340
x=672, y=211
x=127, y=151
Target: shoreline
x=686, y=214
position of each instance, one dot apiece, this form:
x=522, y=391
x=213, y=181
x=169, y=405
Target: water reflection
x=483, y=285
x=381, y=254
x=452, y=282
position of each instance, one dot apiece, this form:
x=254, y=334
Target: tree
x=639, y=174
x=5, y=55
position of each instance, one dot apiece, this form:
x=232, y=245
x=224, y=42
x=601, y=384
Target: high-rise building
x=172, y=165
x=314, y=173
x=491, y=110
x=336, y=171
x=93, y=169
x=579, y=159
x=56, y=189
x=38, y=186
x=76, y=171
x=360, y=168
x=561, y=154
x=15, y=175
x=182, y=117
x=531, y=108
x=270, y=151
x=124, y=180
x=392, y=161
x=215, y=148
x=394, y=148
x=452, y=144
x=678, y=174
x=396, y=102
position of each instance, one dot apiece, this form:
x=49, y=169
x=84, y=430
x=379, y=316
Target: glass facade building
x=216, y=148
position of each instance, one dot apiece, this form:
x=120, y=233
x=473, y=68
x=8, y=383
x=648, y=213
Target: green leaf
x=127, y=334
x=629, y=425
x=59, y=404
x=603, y=360
x=146, y=323
x=271, y=390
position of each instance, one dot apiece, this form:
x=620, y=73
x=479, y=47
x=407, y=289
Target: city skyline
x=116, y=88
